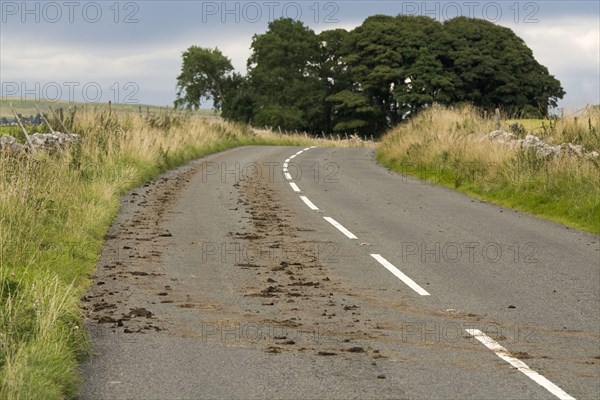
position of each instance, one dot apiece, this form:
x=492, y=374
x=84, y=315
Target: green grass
x=14, y=131
x=532, y=126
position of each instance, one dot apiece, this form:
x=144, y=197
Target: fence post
x=73, y=112
x=23, y=128
x=43, y=118
x=497, y=119
x=59, y=120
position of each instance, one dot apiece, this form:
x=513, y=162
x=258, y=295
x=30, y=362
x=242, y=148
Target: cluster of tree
x=370, y=78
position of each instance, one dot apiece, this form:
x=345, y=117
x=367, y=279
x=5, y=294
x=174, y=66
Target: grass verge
x=447, y=147
x=54, y=211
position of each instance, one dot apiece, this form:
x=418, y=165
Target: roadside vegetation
x=54, y=211
x=449, y=147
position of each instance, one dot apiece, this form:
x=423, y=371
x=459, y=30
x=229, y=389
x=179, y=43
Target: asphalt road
x=228, y=278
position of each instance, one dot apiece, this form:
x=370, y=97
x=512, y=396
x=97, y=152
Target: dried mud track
x=217, y=281
x=284, y=299
x=129, y=275
x=219, y=268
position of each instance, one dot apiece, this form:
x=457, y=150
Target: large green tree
x=423, y=77
x=493, y=67
x=368, y=79
x=241, y=100
x=373, y=55
x=334, y=74
x=284, y=70
x=205, y=74
x=394, y=64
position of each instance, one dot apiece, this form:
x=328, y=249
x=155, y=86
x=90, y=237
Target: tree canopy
x=206, y=73
x=368, y=79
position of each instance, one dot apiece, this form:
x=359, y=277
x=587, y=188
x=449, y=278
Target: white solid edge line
x=518, y=364
x=409, y=282
x=309, y=203
x=294, y=187
x=287, y=176
x=339, y=226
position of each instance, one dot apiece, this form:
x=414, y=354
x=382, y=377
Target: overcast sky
x=130, y=51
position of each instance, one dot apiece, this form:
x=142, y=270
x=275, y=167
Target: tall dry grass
x=447, y=146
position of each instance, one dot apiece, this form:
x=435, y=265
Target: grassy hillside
x=27, y=107
x=445, y=146
x=54, y=211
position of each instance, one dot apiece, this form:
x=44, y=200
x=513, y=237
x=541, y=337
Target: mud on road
x=129, y=276
x=288, y=301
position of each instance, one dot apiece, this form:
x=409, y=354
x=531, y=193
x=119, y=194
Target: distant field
x=532, y=126
x=10, y=130
x=27, y=107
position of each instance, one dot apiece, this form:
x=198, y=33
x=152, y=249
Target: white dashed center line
x=479, y=335
x=409, y=282
x=518, y=364
x=309, y=203
x=339, y=226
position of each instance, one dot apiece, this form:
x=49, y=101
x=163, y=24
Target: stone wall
x=40, y=141
x=542, y=148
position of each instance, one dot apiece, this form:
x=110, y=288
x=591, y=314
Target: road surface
x=290, y=272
